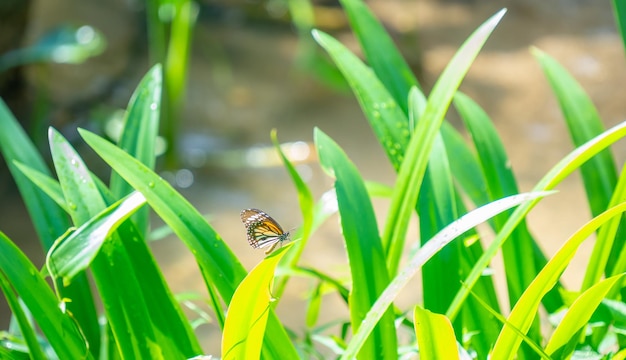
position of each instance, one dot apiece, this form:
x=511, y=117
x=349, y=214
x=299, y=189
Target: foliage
x=88, y=226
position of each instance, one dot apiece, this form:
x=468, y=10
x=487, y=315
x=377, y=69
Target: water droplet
x=153, y=106
x=151, y=184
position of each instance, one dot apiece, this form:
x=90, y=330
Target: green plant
x=460, y=311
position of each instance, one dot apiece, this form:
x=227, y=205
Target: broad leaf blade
x=508, y=342
x=365, y=252
x=74, y=253
x=249, y=309
x=32, y=288
x=559, y=172
x=435, y=336
x=218, y=264
x=416, y=261
x=578, y=316
x=50, y=220
x=380, y=51
x=386, y=118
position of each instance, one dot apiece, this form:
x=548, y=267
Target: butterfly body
x=262, y=230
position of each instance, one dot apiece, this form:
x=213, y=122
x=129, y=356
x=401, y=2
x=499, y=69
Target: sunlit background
x=250, y=72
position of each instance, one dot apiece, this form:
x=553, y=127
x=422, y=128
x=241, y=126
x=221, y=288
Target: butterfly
x=262, y=231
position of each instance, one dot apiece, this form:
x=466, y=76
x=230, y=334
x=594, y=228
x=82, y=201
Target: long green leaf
x=139, y=135
x=435, y=336
x=577, y=317
x=605, y=240
x=58, y=327
x=411, y=173
x=249, y=310
x=381, y=53
x=583, y=123
x=416, y=261
x=386, y=118
x=125, y=307
x=217, y=263
x=365, y=251
x=507, y=344
x=619, y=10
x=27, y=332
x=50, y=220
x=501, y=182
x=559, y=172
x=75, y=252
x=305, y=199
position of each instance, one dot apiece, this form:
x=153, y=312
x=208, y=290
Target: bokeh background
x=247, y=76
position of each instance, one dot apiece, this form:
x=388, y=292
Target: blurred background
x=250, y=66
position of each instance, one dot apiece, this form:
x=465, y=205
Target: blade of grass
x=583, y=122
x=412, y=170
x=508, y=341
x=416, y=261
x=125, y=307
x=48, y=219
x=59, y=328
x=74, y=253
x=305, y=199
x=619, y=10
x=386, y=118
x=138, y=138
x=249, y=309
x=365, y=253
x=26, y=329
x=605, y=241
x=141, y=305
x=176, y=70
x=380, y=51
x=559, y=172
x=219, y=266
x=565, y=337
x=500, y=180
x=435, y=336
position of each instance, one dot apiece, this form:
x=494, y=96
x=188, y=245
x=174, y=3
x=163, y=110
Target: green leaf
x=140, y=310
x=386, y=118
x=559, y=172
x=59, y=328
x=578, y=315
x=138, y=138
x=74, y=253
x=249, y=309
x=305, y=199
x=219, y=267
x=50, y=220
x=583, y=122
x=605, y=241
x=216, y=260
x=519, y=252
x=409, y=183
x=619, y=10
x=435, y=336
x=26, y=334
x=380, y=51
x=508, y=341
x=416, y=261
x=365, y=252
x=45, y=183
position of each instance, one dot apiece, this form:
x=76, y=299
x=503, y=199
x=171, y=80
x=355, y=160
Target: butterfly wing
x=261, y=230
